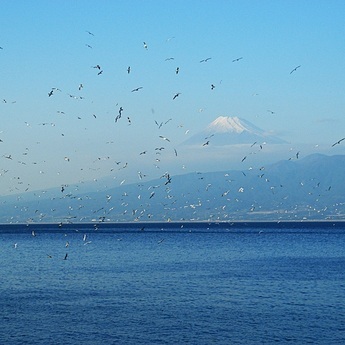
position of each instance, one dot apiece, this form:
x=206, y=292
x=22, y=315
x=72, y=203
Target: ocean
x=230, y=286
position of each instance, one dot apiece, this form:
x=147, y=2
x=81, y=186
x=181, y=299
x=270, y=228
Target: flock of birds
x=104, y=214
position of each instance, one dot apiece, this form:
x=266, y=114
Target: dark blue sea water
x=227, y=287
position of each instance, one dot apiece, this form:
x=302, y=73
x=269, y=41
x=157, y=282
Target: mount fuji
x=226, y=130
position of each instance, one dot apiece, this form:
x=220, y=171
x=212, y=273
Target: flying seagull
x=338, y=142
x=238, y=59
x=176, y=95
x=90, y=33
x=295, y=69
x=137, y=89
x=205, y=60
x=164, y=138
x=159, y=124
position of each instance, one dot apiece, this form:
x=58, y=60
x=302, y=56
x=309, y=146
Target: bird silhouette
x=238, y=59
x=295, y=69
x=205, y=60
x=338, y=142
x=137, y=89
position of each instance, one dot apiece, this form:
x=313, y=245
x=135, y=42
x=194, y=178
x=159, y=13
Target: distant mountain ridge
x=310, y=188
x=226, y=130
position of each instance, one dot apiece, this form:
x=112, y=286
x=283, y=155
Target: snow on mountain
x=226, y=130
x=232, y=124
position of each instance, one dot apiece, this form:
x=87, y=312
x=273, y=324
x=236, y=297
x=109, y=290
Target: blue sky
x=62, y=139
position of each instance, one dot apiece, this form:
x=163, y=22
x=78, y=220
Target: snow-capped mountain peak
x=235, y=124
x=226, y=130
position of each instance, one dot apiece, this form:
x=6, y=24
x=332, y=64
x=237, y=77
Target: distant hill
x=296, y=189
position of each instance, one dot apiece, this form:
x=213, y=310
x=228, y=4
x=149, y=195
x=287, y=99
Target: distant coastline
x=175, y=226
